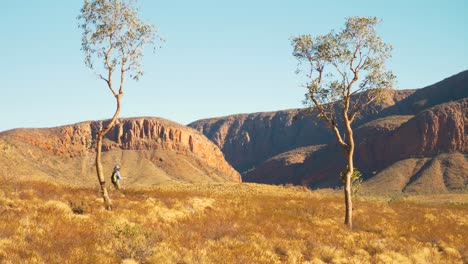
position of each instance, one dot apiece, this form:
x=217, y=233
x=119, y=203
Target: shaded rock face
x=381, y=145
x=319, y=169
x=247, y=140
x=440, y=129
x=283, y=168
x=450, y=89
x=139, y=135
x=415, y=124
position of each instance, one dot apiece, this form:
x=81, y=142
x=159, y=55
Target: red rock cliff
x=128, y=134
x=380, y=144
x=247, y=140
x=440, y=129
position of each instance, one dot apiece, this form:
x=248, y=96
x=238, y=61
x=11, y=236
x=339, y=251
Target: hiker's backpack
x=114, y=177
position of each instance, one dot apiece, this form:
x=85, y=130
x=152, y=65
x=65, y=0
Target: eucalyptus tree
x=345, y=73
x=113, y=40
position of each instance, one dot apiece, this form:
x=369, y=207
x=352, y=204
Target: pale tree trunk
x=348, y=195
x=350, y=169
x=100, y=173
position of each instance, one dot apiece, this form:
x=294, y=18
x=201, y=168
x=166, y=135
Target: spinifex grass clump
x=226, y=223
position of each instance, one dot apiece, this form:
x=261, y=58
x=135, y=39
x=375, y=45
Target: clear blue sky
x=219, y=58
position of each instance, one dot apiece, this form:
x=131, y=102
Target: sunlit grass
x=224, y=223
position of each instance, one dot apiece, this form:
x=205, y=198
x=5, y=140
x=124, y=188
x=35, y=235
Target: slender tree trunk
x=350, y=169
x=99, y=170
x=100, y=173
x=348, y=195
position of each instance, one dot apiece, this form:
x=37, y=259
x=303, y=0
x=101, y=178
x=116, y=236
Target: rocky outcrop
x=385, y=147
x=412, y=125
x=450, y=89
x=247, y=140
x=284, y=168
x=440, y=129
x=158, y=138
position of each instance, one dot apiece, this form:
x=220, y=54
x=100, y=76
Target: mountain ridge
x=247, y=139
x=157, y=149
x=422, y=123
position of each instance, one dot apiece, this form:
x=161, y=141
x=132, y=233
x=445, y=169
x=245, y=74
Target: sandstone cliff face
x=450, y=89
x=285, y=168
x=440, y=129
x=247, y=140
x=420, y=126
x=423, y=153
x=136, y=135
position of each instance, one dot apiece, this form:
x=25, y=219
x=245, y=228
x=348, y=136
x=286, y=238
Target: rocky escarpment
x=173, y=151
x=426, y=152
x=284, y=168
x=450, y=89
x=440, y=129
x=428, y=127
x=247, y=140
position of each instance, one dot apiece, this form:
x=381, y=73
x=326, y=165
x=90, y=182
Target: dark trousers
x=116, y=185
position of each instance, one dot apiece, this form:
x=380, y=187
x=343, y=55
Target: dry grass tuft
x=226, y=223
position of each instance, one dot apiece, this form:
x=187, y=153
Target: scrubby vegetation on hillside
x=225, y=223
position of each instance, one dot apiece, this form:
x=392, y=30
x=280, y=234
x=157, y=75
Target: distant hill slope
x=450, y=89
x=428, y=125
x=149, y=150
x=424, y=153
x=437, y=174
x=247, y=140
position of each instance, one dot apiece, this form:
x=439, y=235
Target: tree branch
x=358, y=47
x=110, y=69
x=330, y=121
x=122, y=74
x=103, y=78
x=365, y=57
x=339, y=70
x=347, y=97
x=360, y=61
x=339, y=138
x=357, y=108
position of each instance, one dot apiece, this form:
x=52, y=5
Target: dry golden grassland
x=225, y=223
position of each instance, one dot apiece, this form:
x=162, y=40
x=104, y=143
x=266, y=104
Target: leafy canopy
x=114, y=34
x=342, y=64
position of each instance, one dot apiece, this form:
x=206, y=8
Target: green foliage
x=114, y=34
x=345, y=63
x=356, y=179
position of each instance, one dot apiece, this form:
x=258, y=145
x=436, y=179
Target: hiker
x=116, y=177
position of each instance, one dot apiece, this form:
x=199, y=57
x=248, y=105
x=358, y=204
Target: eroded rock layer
x=150, y=150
